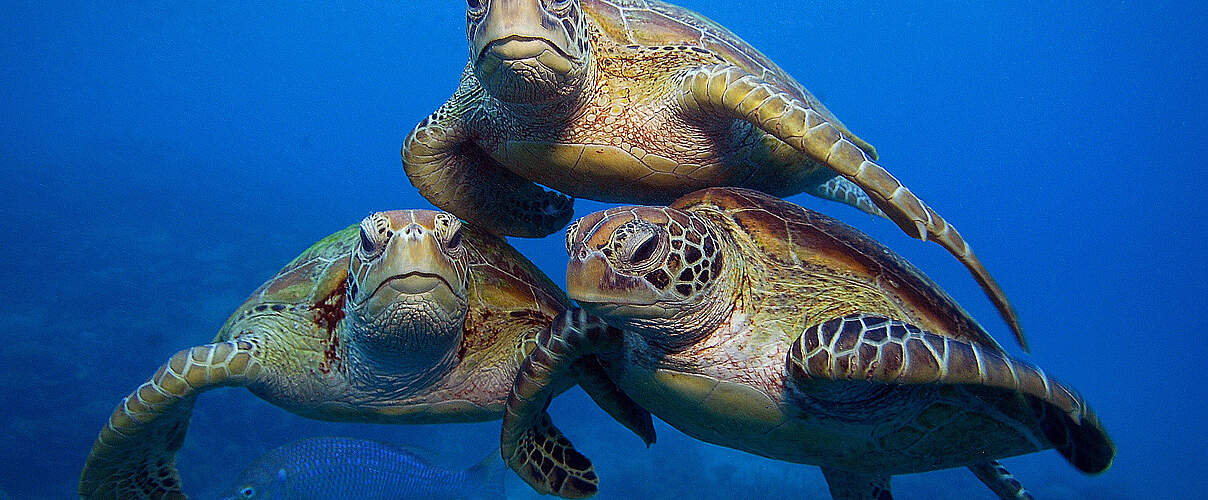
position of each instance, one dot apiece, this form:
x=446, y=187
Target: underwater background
x=162, y=159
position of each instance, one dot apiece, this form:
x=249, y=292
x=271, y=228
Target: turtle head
x=657, y=271
x=528, y=51
x=406, y=298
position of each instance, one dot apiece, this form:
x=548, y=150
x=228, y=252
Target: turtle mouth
x=515, y=47
x=413, y=283
x=524, y=50
x=627, y=310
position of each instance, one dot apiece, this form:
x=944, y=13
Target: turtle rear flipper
x=844, y=191
x=135, y=454
x=878, y=349
x=734, y=93
x=605, y=393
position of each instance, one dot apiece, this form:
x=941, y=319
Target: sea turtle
x=753, y=323
x=409, y=317
x=639, y=101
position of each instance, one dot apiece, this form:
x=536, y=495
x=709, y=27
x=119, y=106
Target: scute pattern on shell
x=312, y=278
x=783, y=234
x=509, y=299
x=654, y=23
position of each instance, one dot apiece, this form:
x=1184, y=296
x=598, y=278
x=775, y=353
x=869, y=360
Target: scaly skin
x=752, y=323
x=640, y=101
x=369, y=348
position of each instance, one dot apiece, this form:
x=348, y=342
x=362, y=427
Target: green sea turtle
x=410, y=317
x=752, y=323
x=639, y=101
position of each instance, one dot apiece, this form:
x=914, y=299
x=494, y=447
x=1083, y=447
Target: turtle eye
x=638, y=245
x=474, y=6
x=645, y=250
x=367, y=245
x=375, y=233
x=455, y=240
x=248, y=492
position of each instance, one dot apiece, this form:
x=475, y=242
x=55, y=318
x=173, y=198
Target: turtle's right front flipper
x=457, y=176
x=135, y=454
x=529, y=442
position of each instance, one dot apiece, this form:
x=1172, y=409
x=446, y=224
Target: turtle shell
x=791, y=239
x=314, y=280
x=510, y=300
x=654, y=23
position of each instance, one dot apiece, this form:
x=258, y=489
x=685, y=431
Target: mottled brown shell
x=654, y=23
x=511, y=300
x=786, y=235
x=312, y=283
x=508, y=295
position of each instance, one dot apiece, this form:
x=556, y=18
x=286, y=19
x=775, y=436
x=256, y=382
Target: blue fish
x=330, y=467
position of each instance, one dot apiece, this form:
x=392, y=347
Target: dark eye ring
x=248, y=492
x=474, y=5
x=454, y=240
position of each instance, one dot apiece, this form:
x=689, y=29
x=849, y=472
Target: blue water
x=162, y=159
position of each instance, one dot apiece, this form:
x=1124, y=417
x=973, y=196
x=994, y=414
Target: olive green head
x=658, y=270
x=528, y=51
x=407, y=282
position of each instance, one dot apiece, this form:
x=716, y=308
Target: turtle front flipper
x=458, y=177
x=548, y=462
x=529, y=442
x=135, y=454
x=1000, y=481
x=734, y=93
x=878, y=349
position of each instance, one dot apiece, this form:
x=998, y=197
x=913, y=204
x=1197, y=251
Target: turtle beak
x=596, y=287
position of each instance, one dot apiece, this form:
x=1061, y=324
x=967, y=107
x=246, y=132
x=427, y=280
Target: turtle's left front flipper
x=529, y=442
x=878, y=349
x=732, y=92
x=135, y=454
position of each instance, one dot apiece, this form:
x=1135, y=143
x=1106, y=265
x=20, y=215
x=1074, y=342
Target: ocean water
x=162, y=159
